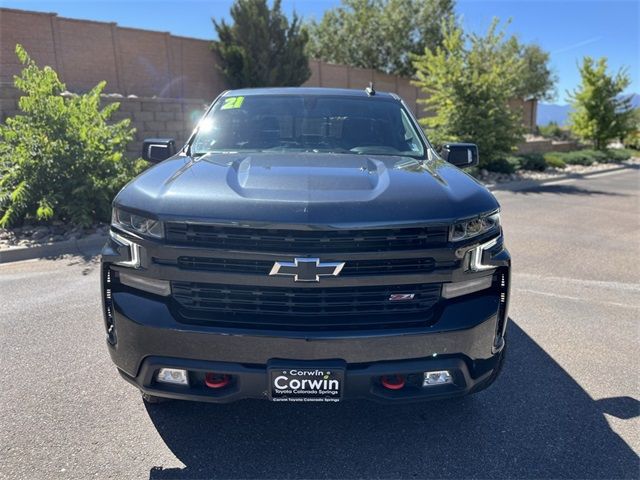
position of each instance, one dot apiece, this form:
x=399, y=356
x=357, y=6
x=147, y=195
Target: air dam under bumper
x=149, y=338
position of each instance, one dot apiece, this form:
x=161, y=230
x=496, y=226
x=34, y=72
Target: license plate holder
x=305, y=384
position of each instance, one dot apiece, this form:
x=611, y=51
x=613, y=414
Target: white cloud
x=573, y=46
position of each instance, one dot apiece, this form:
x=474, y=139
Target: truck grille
x=351, y=268
x=305, y=308
x=273, y=240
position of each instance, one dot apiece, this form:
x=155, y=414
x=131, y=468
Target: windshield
x=307, y=123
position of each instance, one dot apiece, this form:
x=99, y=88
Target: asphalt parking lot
x=566, y=405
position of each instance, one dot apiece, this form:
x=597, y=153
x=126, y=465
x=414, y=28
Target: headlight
x=137, y=224
x=473, y=228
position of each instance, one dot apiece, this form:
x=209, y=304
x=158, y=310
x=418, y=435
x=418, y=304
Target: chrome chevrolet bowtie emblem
x=306, y=269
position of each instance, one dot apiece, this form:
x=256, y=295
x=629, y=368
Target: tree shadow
x=534, y=422
x=88, y=261
x=620, y=407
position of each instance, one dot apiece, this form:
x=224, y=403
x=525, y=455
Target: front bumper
x=361, y=381
x=149, y=338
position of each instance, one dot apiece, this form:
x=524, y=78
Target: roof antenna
x=370, y=91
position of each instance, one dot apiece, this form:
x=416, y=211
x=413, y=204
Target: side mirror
x=462, y=155
x=155, y=150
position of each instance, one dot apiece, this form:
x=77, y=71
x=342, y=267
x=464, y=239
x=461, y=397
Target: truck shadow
x=534, y=422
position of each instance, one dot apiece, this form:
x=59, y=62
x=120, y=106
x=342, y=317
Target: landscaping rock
x=39, y=233
x=492, y=178
x=30, y=235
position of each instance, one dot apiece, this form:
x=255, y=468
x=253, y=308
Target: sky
x=568, y=29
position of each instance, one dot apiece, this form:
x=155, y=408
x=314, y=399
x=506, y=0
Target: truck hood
x=306, y=188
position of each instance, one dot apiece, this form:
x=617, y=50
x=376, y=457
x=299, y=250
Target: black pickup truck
x=306, y=245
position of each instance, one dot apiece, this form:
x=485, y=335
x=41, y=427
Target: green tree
x=599, y=114
x=554, y=131
x=262, y=48
x=632, y=137
x=537, y=80
x=59, y=158
x=469, y=81
x=378, y=34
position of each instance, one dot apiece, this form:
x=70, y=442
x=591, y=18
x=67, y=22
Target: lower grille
x=306, y=308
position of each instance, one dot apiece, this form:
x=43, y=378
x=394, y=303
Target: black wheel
x=152, y=399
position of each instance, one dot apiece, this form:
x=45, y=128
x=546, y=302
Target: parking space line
x=579, y=299
x=629, y=287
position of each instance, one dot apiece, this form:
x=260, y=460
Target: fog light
x=439, y=377
x=176, y=376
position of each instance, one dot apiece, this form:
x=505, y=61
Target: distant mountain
x=551, y=112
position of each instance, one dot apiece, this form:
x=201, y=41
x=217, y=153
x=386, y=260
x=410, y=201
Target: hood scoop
x=308, y=177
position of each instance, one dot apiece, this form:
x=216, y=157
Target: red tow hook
x=392, y=382
x=216, y=380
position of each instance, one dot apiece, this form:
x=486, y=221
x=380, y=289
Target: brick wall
x=159, y=117
x=342, y=76
x=165, y=71
x=132, y=61
x=151, y=117
x=147, y=63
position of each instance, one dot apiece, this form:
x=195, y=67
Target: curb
x=525, y=184
x=87, y=246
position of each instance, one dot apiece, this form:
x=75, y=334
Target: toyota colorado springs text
x=306, y=244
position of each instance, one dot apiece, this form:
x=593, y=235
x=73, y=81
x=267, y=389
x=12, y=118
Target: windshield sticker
x=232, y=102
